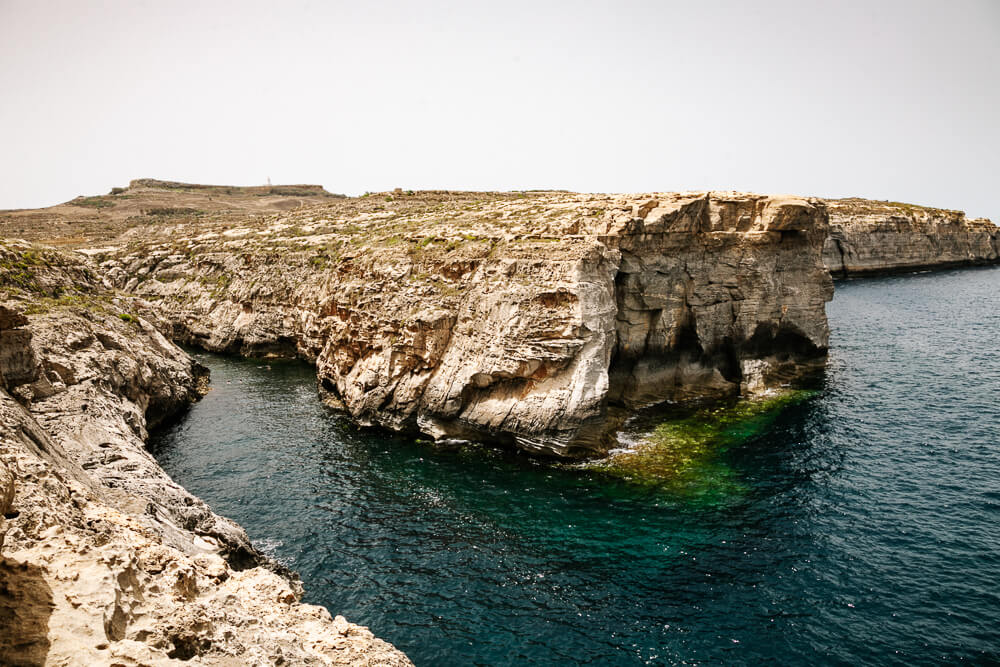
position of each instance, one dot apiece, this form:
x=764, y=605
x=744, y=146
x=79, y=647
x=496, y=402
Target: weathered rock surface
x=524, y=318
x=871, y=237
x=105, y=560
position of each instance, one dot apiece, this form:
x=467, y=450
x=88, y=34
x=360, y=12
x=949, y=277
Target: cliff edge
x=873, y=237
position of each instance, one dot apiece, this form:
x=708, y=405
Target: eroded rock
x=525, y=319
x=871, y=237
x=105, y=560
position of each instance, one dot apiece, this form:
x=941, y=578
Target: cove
x=860, y=524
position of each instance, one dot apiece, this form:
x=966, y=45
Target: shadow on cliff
x=25, y=607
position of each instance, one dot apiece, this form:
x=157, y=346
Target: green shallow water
x=682, y=451
x=858, y=524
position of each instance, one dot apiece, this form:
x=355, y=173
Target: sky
x=895, y=100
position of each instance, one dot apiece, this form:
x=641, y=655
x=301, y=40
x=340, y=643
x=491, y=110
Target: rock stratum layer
x=531, y=318
x=105, y=560
x=871, y=237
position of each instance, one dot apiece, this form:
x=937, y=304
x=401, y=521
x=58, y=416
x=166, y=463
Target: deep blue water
x=864, y=528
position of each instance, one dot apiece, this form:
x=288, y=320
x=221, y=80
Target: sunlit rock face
x=718, y=294
x=871, y=237
x=526, y=318
x=104, y=560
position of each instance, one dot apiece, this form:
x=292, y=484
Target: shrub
x=171, y=210
x=92, y=202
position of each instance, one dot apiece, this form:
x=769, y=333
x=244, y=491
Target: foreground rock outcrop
x=872, y=237
x=533, y=318
x=104, y=560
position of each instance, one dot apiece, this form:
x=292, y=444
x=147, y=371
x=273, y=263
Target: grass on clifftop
x=92, y=202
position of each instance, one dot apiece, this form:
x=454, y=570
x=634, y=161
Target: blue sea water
x=862, y=525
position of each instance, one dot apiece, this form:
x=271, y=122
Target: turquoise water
x=862, y=525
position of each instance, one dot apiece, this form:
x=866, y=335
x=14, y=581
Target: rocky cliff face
x=869, y=237
x=105, y=560
x=528, y=318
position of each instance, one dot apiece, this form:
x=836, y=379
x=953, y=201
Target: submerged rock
x=683, y=454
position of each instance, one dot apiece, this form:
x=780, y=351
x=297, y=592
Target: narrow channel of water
x=859, y=525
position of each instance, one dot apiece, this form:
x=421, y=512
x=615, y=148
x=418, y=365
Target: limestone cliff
x=870, y=237
x=533, y=318
x=105, y=560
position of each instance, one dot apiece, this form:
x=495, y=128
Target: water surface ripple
x=866, y=528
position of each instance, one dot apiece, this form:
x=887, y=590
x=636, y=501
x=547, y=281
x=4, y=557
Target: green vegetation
x=293, y=191
x=857, y=205
x=914, y=208
x=259, y=190
x=445, y=288
x=45, y=304
x=221, y=284
x=125, y=317
x=92, y=202
x=171, y=210
x=685, y=456
x=18, y=266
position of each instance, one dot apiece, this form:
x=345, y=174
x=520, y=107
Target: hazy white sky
x=892, y=100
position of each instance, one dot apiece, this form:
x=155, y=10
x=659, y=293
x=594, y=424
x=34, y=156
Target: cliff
x=871, y=237
x=105, y=560
x=538, y=319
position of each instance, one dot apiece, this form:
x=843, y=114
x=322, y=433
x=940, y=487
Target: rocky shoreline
x=105, y=560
